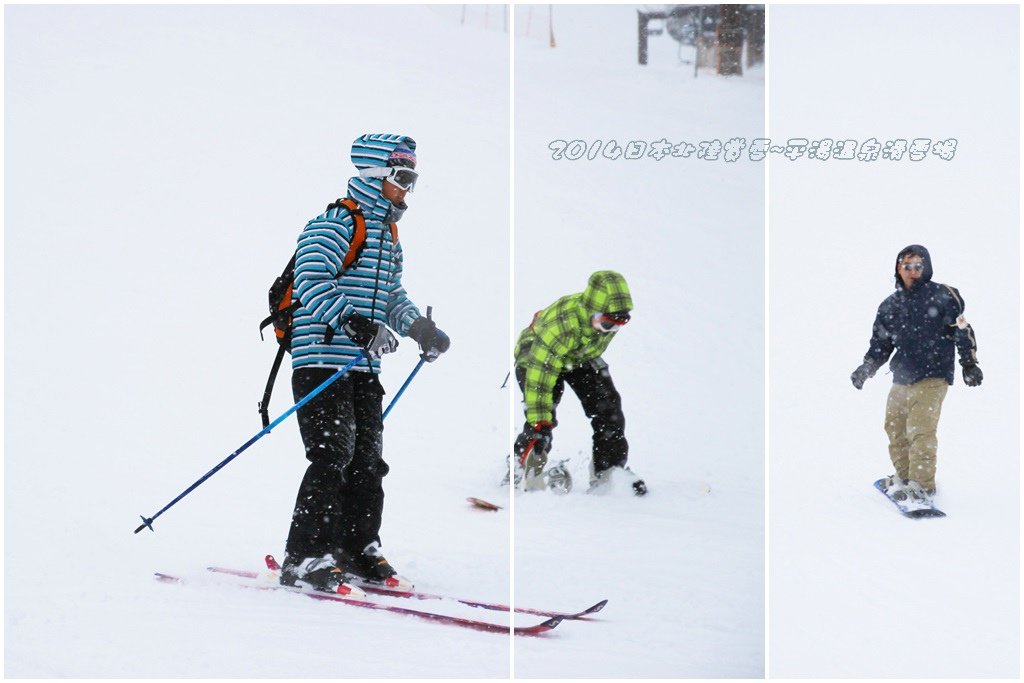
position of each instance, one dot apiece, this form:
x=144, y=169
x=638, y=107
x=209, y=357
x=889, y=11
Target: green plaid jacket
x=562, y=337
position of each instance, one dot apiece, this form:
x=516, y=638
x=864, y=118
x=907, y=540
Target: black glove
x=433, y=342
x=972, y=373
x=862, y=373
x=374, y=337
x=538, y=435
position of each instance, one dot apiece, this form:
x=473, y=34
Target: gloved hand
x=972, y=373
x=432, y=340
x=374, y=337
x=539, y=435
x=532, y=447
x=864, y=371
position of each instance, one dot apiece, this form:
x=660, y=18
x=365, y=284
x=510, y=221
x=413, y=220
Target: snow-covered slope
x=159, y=164
x=683, y=567
x=855, y=589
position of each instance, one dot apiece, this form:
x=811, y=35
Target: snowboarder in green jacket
x=563, y=345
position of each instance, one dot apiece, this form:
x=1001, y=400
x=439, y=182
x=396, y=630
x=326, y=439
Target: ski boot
x=370, y=568
x=318, y=574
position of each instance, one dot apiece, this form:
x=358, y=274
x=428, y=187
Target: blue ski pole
x=147, y=522
x=399, y=394
x=423, y=359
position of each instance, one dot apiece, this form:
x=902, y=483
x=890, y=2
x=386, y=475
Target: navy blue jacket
x=922, y=324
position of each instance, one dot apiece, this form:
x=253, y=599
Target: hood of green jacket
x=607, y=292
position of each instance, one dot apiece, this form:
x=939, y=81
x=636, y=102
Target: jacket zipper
x=376, y=285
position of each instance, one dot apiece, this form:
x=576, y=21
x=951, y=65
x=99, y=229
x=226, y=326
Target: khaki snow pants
x=911, y=420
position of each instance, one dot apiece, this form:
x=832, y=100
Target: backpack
x=283, y=302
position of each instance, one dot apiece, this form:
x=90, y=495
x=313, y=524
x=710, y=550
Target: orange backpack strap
x=358, y=234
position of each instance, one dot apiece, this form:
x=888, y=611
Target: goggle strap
x=375, y=172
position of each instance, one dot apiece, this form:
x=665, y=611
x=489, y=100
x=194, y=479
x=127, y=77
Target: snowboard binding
x=534, y=477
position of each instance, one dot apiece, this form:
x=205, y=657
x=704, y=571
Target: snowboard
x=909, y=509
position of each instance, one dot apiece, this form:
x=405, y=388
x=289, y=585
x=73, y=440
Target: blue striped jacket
x=371, y=286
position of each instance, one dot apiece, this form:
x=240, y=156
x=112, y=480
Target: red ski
x=273, y=566
x=473, y=624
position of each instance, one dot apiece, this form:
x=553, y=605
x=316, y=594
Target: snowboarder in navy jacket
x=922, y=321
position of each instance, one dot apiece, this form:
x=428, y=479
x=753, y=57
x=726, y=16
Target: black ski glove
x=538, y=435
x=863, y=372
x=374, y=337
x=972, y=373
x=433, y=342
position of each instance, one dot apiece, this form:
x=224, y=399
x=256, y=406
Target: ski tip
x=596, y=608
x=272, y=564
x=551, y=623
x=540, y=628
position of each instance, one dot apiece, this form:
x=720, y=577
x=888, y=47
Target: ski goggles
x=401, y=177
x=913, y=267
x=610, y=322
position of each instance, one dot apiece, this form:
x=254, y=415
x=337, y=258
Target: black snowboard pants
x=341, y=498
x=592, y=384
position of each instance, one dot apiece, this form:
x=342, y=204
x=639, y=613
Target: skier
x=563, y=345
x=335, y=526
x=922, y=321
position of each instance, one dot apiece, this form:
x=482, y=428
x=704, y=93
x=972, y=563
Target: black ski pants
x=592, y=384
x=341, y=498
